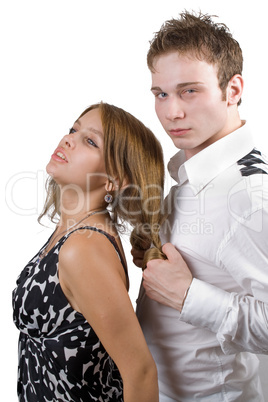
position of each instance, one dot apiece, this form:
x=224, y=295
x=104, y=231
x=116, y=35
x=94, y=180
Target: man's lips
x=179, y=131
x=59, y=155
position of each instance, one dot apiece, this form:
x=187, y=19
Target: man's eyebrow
x=186, y=84
x=156, y=89
x=179, y=86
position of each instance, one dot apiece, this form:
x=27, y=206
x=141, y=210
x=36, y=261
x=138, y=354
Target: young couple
x=203, y=301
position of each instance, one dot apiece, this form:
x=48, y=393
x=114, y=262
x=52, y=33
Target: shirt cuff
x=205, y=305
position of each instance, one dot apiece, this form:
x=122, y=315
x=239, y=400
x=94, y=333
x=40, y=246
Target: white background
x=58, y=57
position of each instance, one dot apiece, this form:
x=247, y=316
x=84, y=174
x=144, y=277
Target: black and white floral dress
x=60, y=357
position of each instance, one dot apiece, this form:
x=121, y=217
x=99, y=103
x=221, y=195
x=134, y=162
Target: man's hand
x=167, y=281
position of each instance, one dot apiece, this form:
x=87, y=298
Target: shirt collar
x=211, y=161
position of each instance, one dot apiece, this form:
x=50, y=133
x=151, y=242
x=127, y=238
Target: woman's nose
x=68, y=141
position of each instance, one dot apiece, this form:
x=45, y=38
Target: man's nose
x=175, y=110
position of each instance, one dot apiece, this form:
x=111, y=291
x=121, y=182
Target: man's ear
x=235, y=89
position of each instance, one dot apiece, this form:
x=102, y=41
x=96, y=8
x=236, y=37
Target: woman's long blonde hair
x=134, y=161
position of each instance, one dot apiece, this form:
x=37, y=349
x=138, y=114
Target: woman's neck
x=75, y=206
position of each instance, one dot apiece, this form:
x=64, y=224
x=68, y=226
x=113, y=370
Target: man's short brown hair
x=197, y=35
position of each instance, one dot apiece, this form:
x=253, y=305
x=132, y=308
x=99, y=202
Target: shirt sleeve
x=240, y=320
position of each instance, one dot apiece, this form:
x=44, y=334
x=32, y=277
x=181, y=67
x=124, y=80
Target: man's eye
x=72, y=130
x=189, y=91
x=161, y=95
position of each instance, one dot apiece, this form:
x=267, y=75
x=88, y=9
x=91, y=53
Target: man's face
x=189, y=102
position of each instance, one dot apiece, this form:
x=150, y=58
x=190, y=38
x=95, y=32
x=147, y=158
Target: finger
x=154, y=264
x=171, y=252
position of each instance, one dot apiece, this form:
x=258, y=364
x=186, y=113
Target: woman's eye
x=72, y=130
x=91, y=142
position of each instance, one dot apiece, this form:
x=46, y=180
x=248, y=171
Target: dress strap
x=109, y=237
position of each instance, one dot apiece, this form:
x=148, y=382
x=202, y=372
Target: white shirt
x=218, y=220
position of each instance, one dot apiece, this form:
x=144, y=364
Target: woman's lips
x=59, y=156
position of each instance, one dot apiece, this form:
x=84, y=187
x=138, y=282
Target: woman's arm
x=94, y=282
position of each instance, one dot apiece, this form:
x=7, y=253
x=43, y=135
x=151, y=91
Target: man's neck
x=236, y=124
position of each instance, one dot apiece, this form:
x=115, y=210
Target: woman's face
x=78, y=160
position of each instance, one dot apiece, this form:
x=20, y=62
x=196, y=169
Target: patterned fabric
x=253, y=163
x=60, y=357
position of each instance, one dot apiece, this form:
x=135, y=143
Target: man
x=204, y=310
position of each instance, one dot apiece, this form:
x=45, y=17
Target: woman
x=79, y=336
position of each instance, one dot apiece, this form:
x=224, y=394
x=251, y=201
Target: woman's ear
x=109, y=186
x=113, y=185
x=235, y=89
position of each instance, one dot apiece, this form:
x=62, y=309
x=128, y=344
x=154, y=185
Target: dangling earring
x=108, y=198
